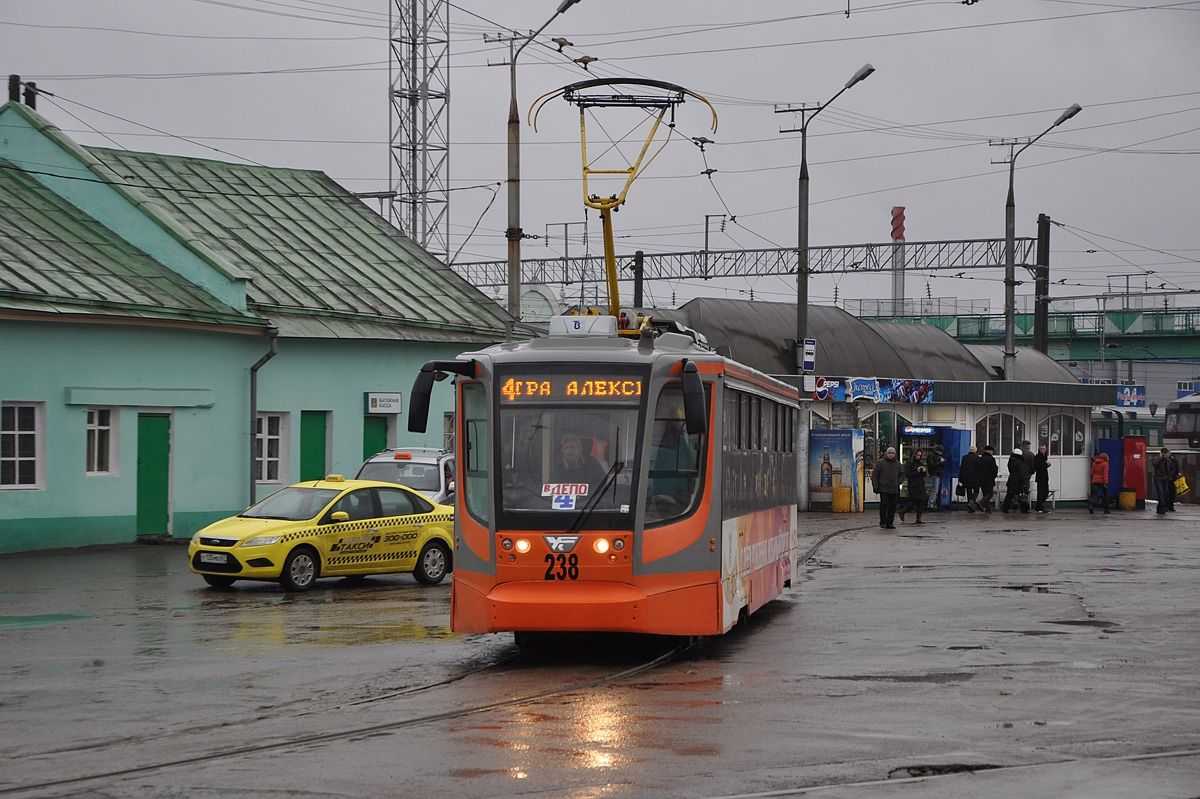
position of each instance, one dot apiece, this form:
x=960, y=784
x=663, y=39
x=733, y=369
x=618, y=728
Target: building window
x=101, y=441
x=270, y=431
x=19, y=445
x=1003, y=431
x=1062, y=434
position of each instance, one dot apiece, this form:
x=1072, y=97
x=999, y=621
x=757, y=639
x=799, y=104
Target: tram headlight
x=522, y=545
x=600, y=545
x=619, y=544
x=506, y=544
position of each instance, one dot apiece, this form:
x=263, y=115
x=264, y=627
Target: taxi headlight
x=261, y=540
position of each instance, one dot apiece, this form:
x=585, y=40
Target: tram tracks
x=113, y=748
x=173, y=739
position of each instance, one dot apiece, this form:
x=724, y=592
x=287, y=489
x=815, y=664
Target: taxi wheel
x=217, y=581
x=432, y=563
x=300, y=570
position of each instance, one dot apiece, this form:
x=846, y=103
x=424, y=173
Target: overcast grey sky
x=1122, y=176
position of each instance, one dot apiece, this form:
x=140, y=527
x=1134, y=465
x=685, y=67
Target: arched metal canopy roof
x=759, y=335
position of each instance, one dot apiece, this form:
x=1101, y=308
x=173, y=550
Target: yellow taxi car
x=328, y=528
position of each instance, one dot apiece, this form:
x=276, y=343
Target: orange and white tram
x=616, y=484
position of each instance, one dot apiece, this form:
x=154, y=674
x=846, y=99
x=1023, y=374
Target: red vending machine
x=1134, y=451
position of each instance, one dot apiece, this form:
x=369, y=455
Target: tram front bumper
x=586, y=606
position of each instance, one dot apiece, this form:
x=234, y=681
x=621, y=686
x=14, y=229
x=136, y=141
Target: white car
x=426, y=470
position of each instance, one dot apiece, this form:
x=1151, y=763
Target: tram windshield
x=562, y=460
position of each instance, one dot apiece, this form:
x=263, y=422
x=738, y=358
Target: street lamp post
x=807, y=115
x=513, y=233
x=1010, y=226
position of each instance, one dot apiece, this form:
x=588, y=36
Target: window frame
x=261, y=447
x=1056, y=423
x=39, y=446
x=93, y=430
x=1016, y=428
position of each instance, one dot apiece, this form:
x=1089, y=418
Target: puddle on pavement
x=1083, y=622
x=938, y=769
x=1034, y=588
x=40, y=620
x=940, y=678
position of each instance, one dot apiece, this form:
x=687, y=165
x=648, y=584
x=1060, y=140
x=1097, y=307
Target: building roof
x=1032, y=366
x=759, y=333
x=129, y=234
x=309, y=248
x=56, y=259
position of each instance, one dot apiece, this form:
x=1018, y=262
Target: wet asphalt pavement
x=1014, y=656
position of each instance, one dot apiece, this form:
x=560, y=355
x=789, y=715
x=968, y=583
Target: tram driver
x=576, y=466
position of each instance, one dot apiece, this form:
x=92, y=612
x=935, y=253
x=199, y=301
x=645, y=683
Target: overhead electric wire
x=893, y=34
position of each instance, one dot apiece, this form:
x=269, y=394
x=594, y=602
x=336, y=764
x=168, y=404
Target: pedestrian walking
x=935, y=463
x=1099, y=482
x=886, y=478
x=988, y=469
x=1016, y=493
x=1028, y=454
x=969, y=472
x=1165, y=472
x=1041, y=476
x=915, y=472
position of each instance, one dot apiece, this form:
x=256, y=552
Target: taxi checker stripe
x=371, y=558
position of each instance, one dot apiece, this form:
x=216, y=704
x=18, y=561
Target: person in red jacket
x=1099, y=482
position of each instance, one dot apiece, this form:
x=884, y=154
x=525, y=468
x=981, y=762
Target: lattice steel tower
x=419, y=121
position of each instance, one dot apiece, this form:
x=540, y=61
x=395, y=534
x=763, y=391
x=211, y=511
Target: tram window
x=744, y=422
x=476, y=444
x=676, y=460
x=1181, y=421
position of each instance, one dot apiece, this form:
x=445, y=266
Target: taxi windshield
x=292, y=504
x=417, y=476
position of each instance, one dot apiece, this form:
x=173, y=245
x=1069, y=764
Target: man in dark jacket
x=1028, y=454
x=988, y=469
x=885, y=480
x=968, y=478
x=1165, y=472
x=1041, y=476
x=1017, y=488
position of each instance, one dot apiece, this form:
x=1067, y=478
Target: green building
x=180, y=335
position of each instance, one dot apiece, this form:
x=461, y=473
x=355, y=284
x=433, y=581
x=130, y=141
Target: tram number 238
x=562, y=567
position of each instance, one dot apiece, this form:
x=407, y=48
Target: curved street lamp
x=802, y=271
x=1010, y=225
x=513, y=233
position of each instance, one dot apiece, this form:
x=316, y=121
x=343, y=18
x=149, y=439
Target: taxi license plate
x=214, y=557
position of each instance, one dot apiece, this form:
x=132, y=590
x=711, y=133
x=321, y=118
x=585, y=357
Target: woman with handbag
x=915, y=473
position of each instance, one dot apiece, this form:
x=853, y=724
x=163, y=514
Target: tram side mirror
x=418, y=405
x=695, y=415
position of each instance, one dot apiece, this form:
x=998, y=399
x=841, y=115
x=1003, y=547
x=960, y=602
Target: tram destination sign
x=571, y=388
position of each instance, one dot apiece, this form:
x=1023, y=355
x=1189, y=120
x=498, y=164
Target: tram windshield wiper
x=611, y=476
